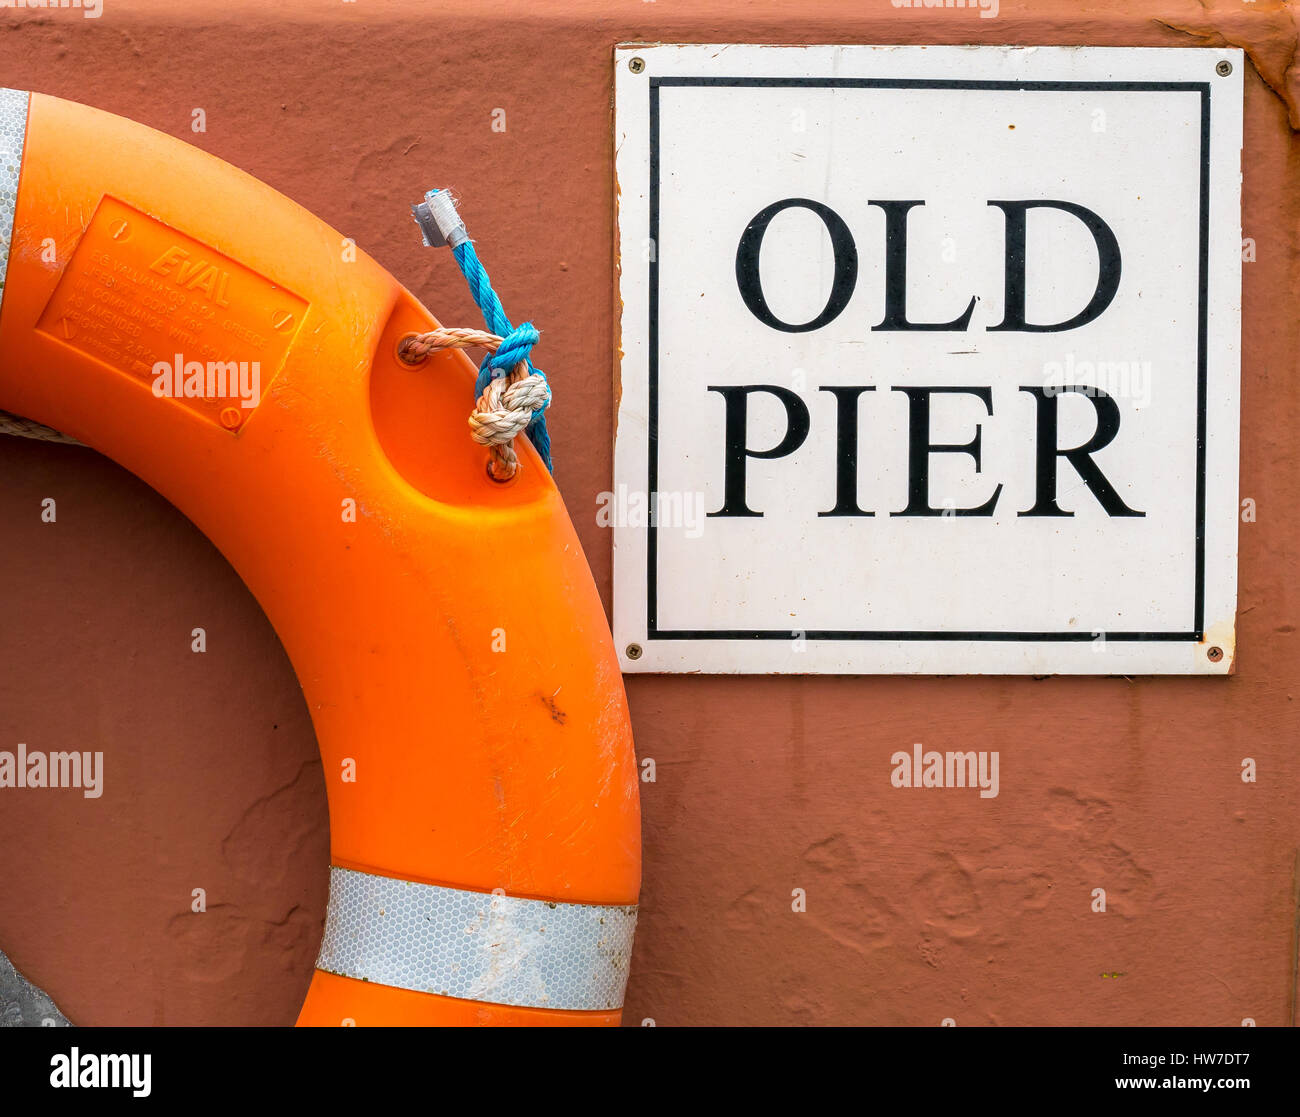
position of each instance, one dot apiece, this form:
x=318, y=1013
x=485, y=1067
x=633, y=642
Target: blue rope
x=516, y=345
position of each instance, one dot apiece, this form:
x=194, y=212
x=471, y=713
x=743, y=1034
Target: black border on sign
x=653, y=632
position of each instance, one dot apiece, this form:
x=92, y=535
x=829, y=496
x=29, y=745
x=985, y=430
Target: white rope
x=27, y=428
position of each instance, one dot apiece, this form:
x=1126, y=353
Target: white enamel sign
x=928, y=360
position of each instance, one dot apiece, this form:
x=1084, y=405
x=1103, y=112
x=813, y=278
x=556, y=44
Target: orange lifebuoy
x=451, y=645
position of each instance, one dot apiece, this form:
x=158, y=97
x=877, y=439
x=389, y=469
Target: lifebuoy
x=450, y=642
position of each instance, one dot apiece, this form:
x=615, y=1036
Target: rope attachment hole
x=409, y=352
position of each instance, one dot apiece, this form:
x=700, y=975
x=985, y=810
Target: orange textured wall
x=921, y=906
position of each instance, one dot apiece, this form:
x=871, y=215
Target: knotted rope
x=511, y=394
x=507, y=404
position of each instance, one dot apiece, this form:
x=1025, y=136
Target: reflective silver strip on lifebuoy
x=13, y=131
x=478, y=946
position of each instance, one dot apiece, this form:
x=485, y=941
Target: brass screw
x=1223, y=69
x=636, y=65
x=1215, y=654
x=634, y=651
